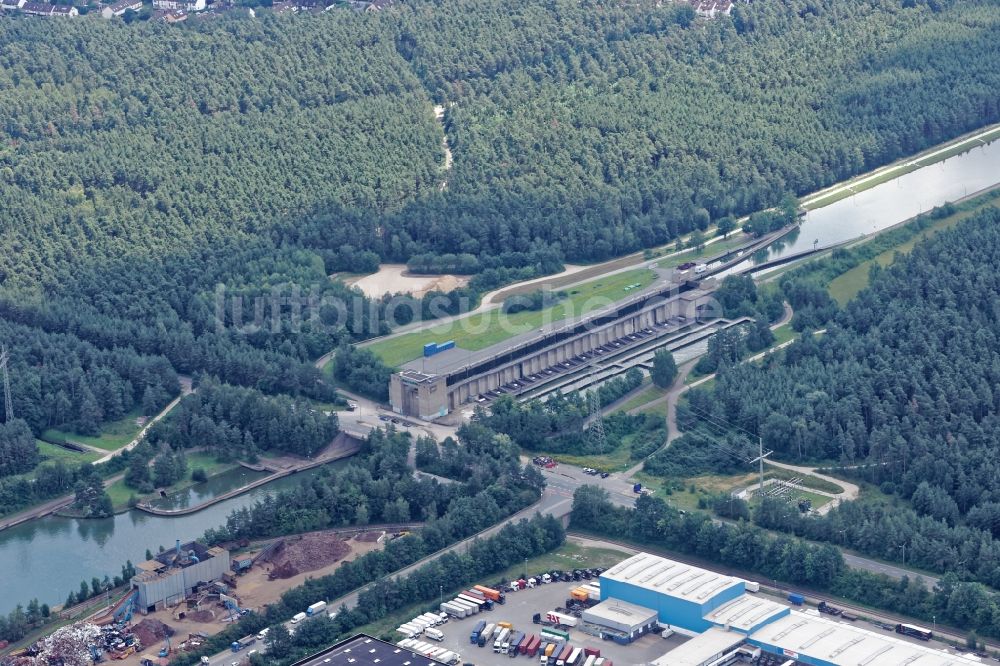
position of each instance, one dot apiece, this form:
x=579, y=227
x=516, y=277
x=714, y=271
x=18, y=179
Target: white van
x=700, y=268
x=298, y=617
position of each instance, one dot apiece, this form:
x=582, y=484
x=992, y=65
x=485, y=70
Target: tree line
x=901, y=380
x=968, y=606
x=379, y=487
x=560, y=423
x=236, y=422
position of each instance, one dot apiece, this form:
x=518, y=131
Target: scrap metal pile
x=69, y=646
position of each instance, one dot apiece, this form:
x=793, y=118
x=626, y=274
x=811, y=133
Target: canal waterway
x=203, y=492
x=47, y=558
x=889, y=203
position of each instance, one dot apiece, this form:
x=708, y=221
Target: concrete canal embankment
x=343, y=446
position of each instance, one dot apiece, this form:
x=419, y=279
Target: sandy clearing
x=394, y=279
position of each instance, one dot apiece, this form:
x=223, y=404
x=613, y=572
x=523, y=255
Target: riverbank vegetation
x=377, y=486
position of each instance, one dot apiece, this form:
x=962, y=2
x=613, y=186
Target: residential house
x=712, y=8
x=37, y=8
x=64, y=10
x=185, y=5
x=119, y=8
x=12, y=4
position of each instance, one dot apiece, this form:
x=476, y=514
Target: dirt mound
x=200, y=616
x=370, y=536
x=151, y=632
x=311, y=552
x=283, y=570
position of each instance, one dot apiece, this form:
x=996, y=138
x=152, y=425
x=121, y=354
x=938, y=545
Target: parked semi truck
x=500, y=639
x=494, y=595
x=561, y=618
x=434, y=634
x=476, y=630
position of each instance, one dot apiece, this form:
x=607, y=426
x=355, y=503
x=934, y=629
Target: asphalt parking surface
x=518, y=610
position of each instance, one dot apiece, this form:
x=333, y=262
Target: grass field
x=846, y=286
x=735, y=240
x=645, y=395
x=53, y=453
x=120, y=493
x=481, y=330
x=615, y=461
x=784, y=333
x=114, y=435
x=567, y=556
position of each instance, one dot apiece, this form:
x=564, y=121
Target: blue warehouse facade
x=682, y=595
x=731, y=622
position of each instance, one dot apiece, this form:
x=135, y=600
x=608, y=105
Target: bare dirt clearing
x=394, y=279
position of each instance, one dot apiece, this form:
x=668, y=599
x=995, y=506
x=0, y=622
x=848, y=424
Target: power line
x=719, y=421
x=723, y=423
x=8, y=404
x=597, y=423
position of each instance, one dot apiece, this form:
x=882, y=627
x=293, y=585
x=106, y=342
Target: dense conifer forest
x=150, y=173
x=900, y=392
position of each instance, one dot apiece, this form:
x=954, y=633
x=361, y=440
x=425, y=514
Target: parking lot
x=520, y=608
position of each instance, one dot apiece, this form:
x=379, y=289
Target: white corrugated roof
x=849, y=645
x=701, y=648
x=620, y=611
x=745, y=612
x=674, y=579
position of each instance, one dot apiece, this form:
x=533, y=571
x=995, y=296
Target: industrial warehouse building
x=823, y=642
x=169, y=577
x=688, y=599
x=616, y=619
x=730, y=625
x=734, y=626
